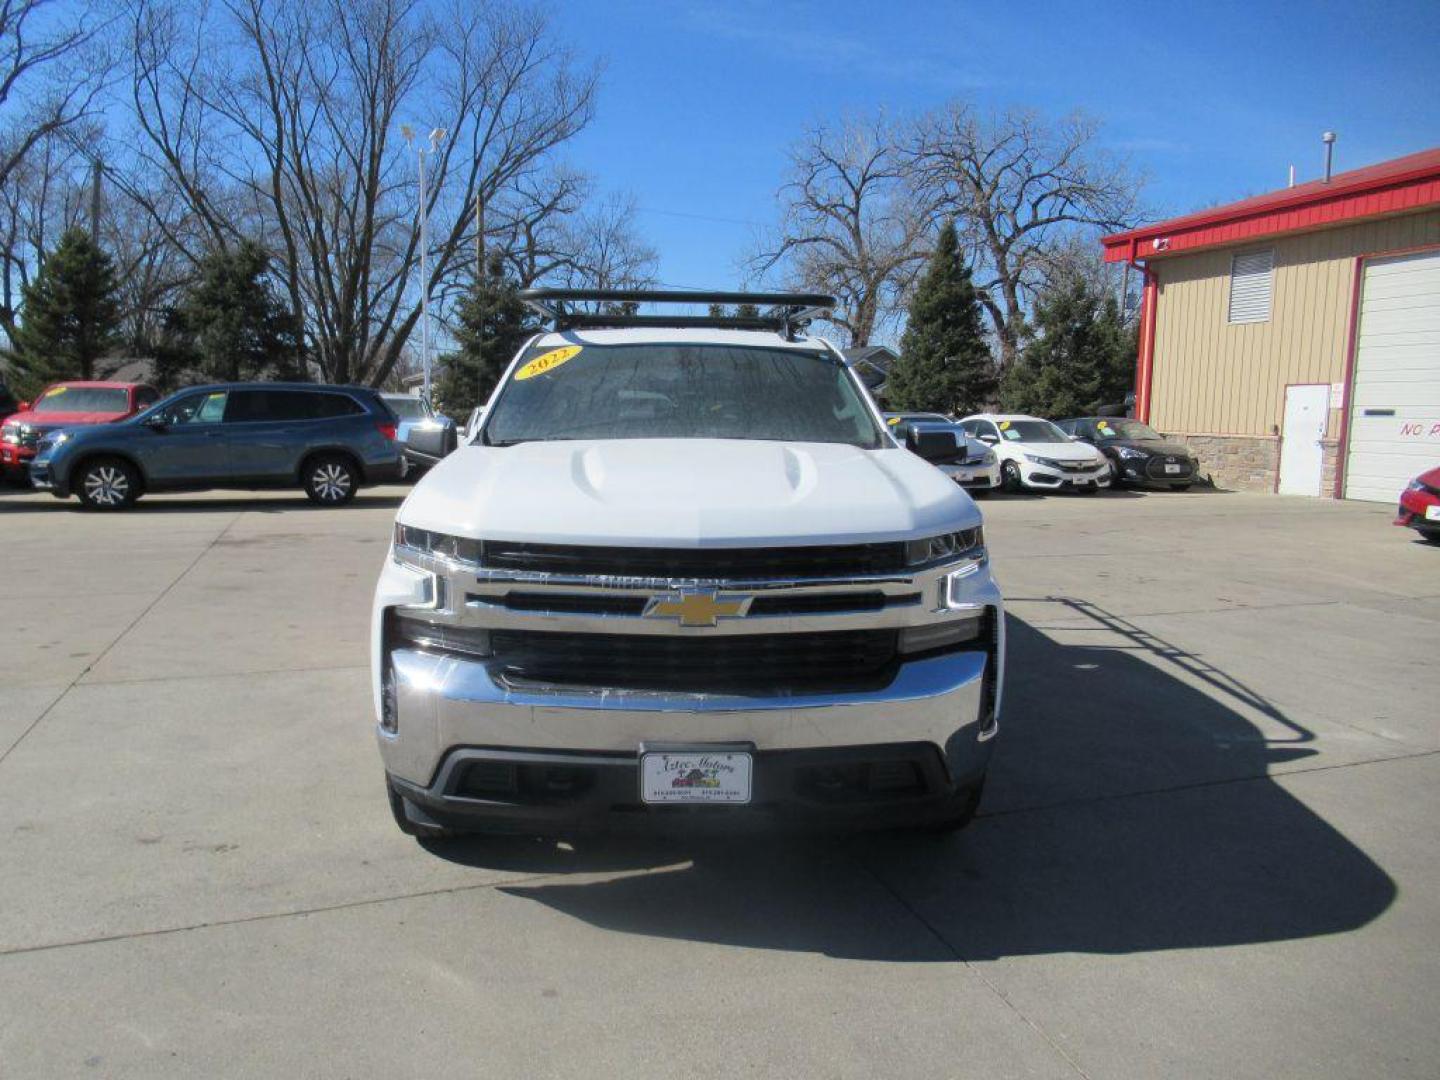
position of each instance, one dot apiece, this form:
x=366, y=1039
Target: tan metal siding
x=1216, y=377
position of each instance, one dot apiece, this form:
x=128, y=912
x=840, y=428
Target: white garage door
x=1395, y=403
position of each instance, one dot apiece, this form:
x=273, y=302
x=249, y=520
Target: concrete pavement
x=1206, y=850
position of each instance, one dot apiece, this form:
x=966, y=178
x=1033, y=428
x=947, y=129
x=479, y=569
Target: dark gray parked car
x=329, y=440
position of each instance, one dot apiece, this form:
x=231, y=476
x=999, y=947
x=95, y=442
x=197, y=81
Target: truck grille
x=563, y=603
x=711, y=564
x=760, y=663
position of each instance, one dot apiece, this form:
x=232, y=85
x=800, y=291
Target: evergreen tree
x=71, y=318
x=493, y=324
x=1080, y=357
x=945, y=364
x=233, y=323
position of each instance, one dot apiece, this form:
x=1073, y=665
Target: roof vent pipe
x=1292, y=175
x=1328, y=138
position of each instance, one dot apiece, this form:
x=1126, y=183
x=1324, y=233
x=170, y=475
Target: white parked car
x=1036, y=454
x=682, y=569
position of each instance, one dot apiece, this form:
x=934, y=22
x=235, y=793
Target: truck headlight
x=933, y=549
x=989, y=458
x=412, y=543
x=10, y=433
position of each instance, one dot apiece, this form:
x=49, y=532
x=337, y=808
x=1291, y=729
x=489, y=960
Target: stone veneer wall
x=1238, y=462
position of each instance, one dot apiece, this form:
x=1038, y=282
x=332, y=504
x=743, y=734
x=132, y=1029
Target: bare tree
x=1017, y=187
x=51, y=73
x=44, y=196
x=850, y=226
x=602, y=249
x=292, y=133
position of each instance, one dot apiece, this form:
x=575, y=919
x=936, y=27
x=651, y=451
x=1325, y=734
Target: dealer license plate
x=695, y=776
x=1432, y=513
x=1172, y=468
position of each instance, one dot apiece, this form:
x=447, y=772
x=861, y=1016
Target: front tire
x=330, y=479
x=1010, y=477
x=107, y=484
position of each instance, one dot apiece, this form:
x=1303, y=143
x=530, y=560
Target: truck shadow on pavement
x=1129, y=810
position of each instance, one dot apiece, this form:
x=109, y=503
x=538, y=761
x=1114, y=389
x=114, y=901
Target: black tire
x=1010, y=478
x=1431, y=537
x=106, y=483
x=960, y=812
x=330, y=479
x=412, y=828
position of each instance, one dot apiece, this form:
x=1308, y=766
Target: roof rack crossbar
x=788, y=312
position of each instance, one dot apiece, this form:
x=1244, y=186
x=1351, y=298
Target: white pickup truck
x=682, y=571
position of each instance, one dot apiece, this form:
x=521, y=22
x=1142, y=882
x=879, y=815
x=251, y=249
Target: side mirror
x=431, y=440
x=932, y=445
x=24, y=406
x=156, y=422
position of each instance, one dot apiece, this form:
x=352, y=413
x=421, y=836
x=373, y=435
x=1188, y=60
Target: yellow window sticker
x=56, y=391
x=1004, y=425
x=547, y=362
x=895, y=420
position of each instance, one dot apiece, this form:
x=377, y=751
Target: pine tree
x=233, y=323
x=493, y=324
x=945, y=364
x=1080, y=357
x=71, y=318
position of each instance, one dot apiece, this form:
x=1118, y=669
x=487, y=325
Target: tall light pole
x=437, y=135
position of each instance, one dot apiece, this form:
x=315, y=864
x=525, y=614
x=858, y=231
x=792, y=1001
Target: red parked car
x=1420, y=505
x=66, y=404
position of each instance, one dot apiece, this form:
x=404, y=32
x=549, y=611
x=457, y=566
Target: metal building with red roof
x=1293, y=338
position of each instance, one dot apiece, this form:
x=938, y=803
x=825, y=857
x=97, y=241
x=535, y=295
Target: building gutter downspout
x=1145, y=353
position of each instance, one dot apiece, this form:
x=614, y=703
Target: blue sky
x=1213, y=101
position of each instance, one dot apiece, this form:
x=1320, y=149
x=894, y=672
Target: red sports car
x=1420, y=505
x=67, y=404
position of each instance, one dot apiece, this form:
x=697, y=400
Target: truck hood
x=687, y=493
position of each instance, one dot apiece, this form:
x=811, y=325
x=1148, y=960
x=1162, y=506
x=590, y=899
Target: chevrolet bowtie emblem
x=698, y=607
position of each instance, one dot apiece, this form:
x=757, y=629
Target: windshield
x=71, y=399
x=1031, y=431
x=1126, y=429
x=406, y=407
x=669, y=391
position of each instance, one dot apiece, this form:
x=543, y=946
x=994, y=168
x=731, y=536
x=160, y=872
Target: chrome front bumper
x=441, y=701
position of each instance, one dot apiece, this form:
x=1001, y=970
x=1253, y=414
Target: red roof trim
x=1407, y=183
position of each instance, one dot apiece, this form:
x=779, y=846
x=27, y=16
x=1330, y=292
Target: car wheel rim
x=331, y=482
x=107, y=486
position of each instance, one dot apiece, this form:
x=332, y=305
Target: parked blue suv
x=329, y=440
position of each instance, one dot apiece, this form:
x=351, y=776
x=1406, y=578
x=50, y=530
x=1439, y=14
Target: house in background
x=871, y=363
x=1293, y=339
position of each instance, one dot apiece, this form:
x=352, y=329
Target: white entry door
x=1306, y=409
